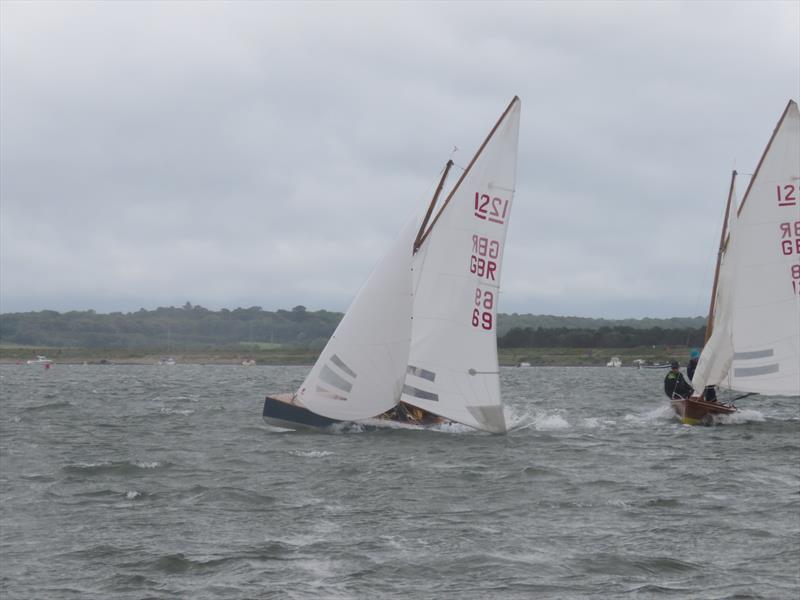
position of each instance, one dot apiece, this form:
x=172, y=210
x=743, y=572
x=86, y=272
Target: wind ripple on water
x=134, y=482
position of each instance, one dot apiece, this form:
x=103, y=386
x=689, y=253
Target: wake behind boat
x=753, y=334
x=420, y=338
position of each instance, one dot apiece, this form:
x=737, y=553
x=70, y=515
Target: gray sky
x=265, y=154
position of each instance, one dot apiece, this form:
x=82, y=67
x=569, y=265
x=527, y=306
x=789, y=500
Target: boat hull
x=281, y=411
x=694, y=411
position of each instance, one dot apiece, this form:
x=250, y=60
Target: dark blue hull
x=283, y=414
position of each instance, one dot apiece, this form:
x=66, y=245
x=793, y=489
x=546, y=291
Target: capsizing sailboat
x=419, y=341
x=753, y=332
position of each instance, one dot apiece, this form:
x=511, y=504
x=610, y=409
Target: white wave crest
x=742, y=416
x=147, y=465
x=311, y=453
x=174, y=411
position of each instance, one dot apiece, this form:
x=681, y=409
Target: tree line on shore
x=194, y=327
x=604, y=337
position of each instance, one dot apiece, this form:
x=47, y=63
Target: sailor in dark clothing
x=692, y=364
x=675, y=386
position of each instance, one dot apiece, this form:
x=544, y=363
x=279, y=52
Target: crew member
x=675, y=386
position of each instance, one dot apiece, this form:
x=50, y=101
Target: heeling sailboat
x=421, y=333
x=753, y=341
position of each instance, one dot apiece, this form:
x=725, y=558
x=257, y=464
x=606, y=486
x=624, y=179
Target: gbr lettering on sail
x=485, y=257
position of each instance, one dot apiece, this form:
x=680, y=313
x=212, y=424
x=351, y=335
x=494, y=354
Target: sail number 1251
x=491, y=208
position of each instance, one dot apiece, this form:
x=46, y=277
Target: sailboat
x=753, y=332
x=419, y=341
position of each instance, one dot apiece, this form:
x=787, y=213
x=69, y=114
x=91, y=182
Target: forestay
x=452, y=368
x=764, y=277
x=360, y=372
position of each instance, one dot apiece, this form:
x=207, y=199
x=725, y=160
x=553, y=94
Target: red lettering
x=788, y=248
x=796, y=278
x=483, y=246
x=488, y=300
x=489, y=208
x=483, y=315
x=789, y=229
x=490, y=269
x=482, y=267
x=786, y=195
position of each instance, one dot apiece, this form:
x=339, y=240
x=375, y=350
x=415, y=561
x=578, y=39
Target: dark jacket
x=690, y=367
x=676, y=386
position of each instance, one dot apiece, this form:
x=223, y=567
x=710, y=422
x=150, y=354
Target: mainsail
x=755, y=345
x=452, y=365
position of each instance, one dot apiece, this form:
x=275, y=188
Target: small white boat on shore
x=614, y=362
x=40, y=360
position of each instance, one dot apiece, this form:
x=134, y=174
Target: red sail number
x=491, y=208
x=787, y=195
x=483, y=315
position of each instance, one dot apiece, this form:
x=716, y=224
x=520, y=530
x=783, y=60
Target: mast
x=420, y=236
x=421, y=240
x=722, y=244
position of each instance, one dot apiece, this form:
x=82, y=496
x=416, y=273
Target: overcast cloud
x=265, y=154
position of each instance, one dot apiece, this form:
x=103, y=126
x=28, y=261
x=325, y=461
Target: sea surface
x=164, y=482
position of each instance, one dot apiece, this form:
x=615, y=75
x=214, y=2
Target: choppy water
x=163, y=482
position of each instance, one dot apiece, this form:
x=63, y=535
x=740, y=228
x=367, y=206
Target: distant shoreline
x=508, y=357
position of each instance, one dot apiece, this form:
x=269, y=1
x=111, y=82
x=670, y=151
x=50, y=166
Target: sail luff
x=720, y=251
x=469, y=168
x=764, y=154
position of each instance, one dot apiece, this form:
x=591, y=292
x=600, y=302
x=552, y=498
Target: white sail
x=360, y=372
x=764, y=288
x=452, y=366
x=715, y=360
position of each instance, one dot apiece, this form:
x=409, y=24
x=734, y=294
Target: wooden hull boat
x=752, y=343
x=696, y=411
